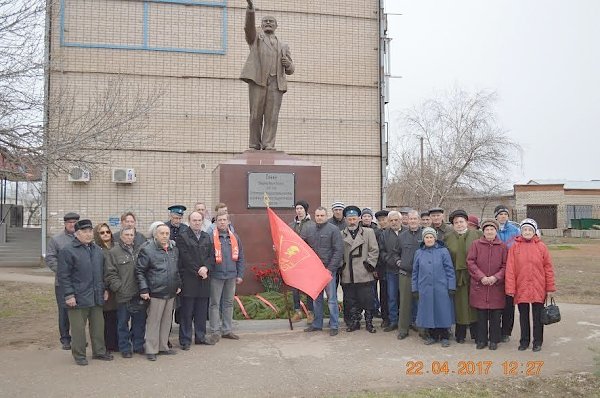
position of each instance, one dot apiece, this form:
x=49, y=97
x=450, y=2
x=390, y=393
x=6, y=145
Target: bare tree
x=21, y=70
x=464, y=151
x=80, y=130
x=114, y=115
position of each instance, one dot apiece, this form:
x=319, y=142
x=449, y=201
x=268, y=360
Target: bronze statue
x=265, y=69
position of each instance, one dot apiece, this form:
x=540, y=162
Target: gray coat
x=340, y=224
x=57, y=242
x=81, y=273
x=138, y=240
x=119, y=272
x=360, y=256
x=443, y=230
x=410, y=242
x=326, y=240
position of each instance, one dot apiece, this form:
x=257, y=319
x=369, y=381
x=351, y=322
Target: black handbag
x=551, y=313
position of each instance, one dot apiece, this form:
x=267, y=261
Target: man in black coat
x=196, y=255
x=81, y=277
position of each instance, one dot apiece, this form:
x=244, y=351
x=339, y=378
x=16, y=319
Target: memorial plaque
x=278, y=186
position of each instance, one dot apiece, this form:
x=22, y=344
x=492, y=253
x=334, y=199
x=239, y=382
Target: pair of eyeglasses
x=104, y=232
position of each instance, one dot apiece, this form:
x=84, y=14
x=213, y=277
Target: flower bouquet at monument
x=268, y=275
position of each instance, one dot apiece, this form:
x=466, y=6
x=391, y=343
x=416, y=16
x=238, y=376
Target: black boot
x=355, y=321
x=354, y=325
x=369, y=321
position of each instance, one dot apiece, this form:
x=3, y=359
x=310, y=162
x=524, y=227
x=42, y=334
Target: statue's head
x=268, y=24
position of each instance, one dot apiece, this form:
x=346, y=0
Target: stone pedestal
x=230, y=184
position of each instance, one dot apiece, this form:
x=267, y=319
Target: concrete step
x=23, y=248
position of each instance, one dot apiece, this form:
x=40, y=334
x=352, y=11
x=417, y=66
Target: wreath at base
x=266, y=305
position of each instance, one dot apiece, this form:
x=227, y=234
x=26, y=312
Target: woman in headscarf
x=487, y=265
x=434, y=284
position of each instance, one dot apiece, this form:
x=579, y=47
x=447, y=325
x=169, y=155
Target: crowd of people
x=127, y=285
x=417, y=272
x=409, y=268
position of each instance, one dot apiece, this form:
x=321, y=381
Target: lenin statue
x=265, y=69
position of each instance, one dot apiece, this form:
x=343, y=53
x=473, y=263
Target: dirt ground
x=364, y=366
x=577, y=268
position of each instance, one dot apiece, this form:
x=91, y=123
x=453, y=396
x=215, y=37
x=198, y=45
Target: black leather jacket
x=156, y=270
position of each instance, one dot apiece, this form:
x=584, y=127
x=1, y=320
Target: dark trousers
x=383, y=300
x=79, y=318
x=438, y=333
x=508, y=316
x=461, y=331
x=488, y=321
x=538, y=327
x=111, y=338
x=134, y=334
x=296, y=298
x=375, y=296
x=345, y=307
x=193, y=311
x=359, y=297
x=63, y=316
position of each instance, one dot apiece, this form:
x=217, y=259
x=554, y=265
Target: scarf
x=235, y=249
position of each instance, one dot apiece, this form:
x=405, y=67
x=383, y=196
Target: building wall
x=560, y=198
x=330, y=114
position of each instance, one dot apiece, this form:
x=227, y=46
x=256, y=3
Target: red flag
x=299, y=265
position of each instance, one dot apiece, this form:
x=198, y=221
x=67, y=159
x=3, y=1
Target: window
x=187, y=26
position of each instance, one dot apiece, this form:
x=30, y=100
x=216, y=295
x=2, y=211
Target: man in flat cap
x=174, y=223
x=404, y=213
x=81, y=277
x=361, y=252
x=437, y=222
x=57, y=242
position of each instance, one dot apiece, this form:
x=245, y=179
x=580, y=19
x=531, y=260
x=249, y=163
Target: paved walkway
x=271, y=361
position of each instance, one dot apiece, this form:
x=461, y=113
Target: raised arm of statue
x=250, y=26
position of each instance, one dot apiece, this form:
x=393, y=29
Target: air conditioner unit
x=123, y=176
x=79, y=174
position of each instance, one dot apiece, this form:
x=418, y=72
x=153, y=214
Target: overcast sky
x=541, y=56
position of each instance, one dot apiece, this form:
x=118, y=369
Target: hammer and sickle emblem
x=292, y=251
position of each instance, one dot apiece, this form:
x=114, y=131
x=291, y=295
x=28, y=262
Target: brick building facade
x=553, y=204
x=192, y=52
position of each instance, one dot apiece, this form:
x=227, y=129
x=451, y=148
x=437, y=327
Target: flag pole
x=284, y=286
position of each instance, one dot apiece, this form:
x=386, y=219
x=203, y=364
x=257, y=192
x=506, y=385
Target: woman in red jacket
x=487, y=264
x=529, y=279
